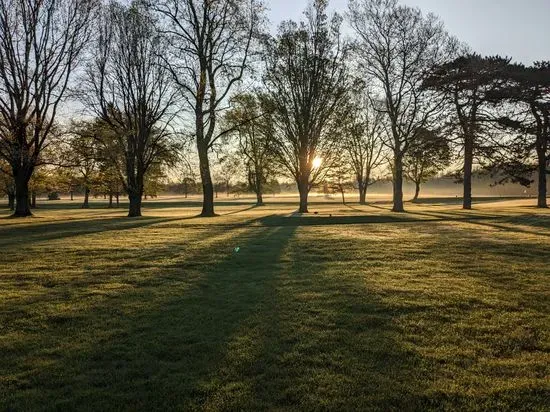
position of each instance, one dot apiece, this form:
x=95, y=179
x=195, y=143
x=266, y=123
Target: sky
x=515, y=28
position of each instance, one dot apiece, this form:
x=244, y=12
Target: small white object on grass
x=237, y=249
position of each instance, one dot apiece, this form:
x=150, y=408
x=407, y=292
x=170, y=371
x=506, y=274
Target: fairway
x=352, y=308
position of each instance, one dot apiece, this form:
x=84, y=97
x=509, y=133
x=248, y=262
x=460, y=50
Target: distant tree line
x=154, y=81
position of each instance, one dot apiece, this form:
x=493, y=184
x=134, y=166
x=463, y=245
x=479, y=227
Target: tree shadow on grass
x=321, y=220
x=505, y=223
x=324, y=342
x=459, y=200
x=41, y=232
x=156, y=357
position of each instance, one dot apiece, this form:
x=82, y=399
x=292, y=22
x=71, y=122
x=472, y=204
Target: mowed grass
x=354, y=308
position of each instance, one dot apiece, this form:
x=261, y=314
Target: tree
x=109, y=181
x=307, y=85
x=429, y=154
x=7, y=184
x=227, y=168
x=256, y=136
x=338, y=179
x=83, y=157
x=40, y=45
x=466, y=83
x=396, y=46
x=130, y=91
x=364, y=144
x=211, y=43
x=528, y=88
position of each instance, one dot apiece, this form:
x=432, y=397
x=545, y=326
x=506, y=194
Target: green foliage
x=428, y=155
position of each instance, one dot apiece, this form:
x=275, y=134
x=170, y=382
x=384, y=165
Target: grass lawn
x=354, y=308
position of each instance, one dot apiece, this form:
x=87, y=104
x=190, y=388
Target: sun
x=317, y=163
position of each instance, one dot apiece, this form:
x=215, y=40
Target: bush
x=53, y=196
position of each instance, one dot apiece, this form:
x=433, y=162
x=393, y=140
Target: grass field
x=354, y=308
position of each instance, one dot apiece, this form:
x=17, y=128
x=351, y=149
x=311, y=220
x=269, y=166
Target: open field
x=354, y=308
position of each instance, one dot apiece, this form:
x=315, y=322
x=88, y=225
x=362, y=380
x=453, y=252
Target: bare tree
x=429, y=154
x=40, y=45
x=211, y=43
x=130, y=90
x=307, y=83
x=396, y=46
x=255, y=140
x=364, y=144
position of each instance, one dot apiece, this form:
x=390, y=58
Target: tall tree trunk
x=86, y=204
x=259, y=191
x=33, y=199
x=117, y=196
x=362, y=191
x=72, y=195
x=303, y=188
x=11, y=200
x=398, y=182
x=541, y=155
x=206, y=178
x=110, y=200
x=22, y=204
x=468, y=166
x=343, y=196
x=135, y=203
x=259, y=199
x=416, y=190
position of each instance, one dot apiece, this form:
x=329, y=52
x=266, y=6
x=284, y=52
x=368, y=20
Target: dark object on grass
x=53, y=196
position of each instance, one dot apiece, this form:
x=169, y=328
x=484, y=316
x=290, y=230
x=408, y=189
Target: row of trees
x=304, y=103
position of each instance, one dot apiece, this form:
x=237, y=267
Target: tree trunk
x=22, y=204
x=362, y=192
x=72, y=195
x=468, y=165
x=33, y=199
x=135, y=204
x=398, y=182
x=303, y=188
x=11, y=200
x=117, y=197
x=259, y=191
x=416, y=190
x=86, y=204
x=259, y=199
x=541, y=202
x=206, y=179
x=343, y=197
x=110, y=200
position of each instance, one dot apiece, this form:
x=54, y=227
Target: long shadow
x=240, y=210
x=329, y=343
x=27, y=234
x=279, y=220
x=163, y=354
x=488, y=221
x=459, y=200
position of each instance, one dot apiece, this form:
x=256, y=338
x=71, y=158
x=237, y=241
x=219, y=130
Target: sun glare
x=317, y=162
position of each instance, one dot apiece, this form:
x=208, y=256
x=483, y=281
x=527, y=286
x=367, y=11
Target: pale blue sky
x=515, y=28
